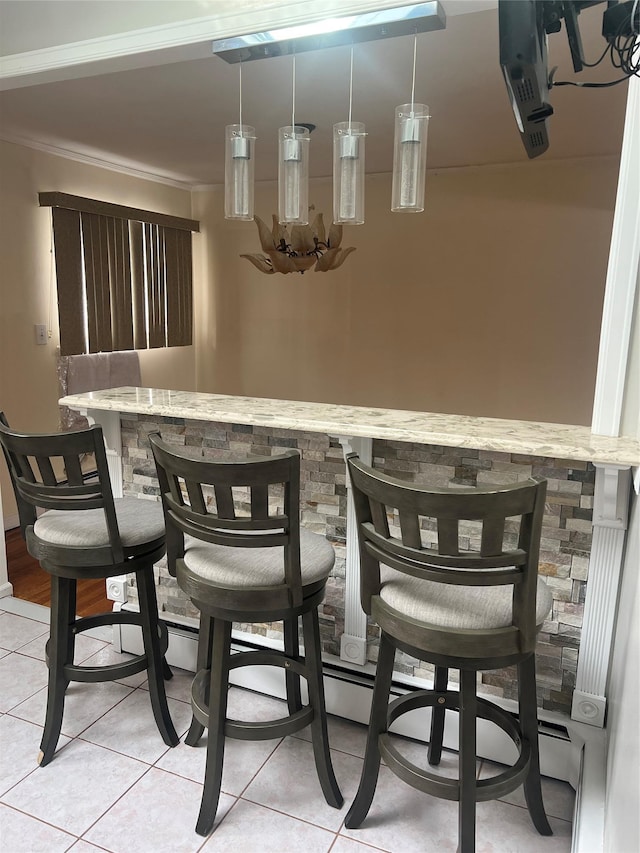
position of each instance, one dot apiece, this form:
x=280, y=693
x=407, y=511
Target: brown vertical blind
x=69, y=274
x=139, y=304
x=179, y=301
x=155, y=284
x=123, y=282
x=95, y=248
x=120, y=284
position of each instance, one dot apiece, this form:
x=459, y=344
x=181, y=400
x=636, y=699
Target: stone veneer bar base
x=566, y=538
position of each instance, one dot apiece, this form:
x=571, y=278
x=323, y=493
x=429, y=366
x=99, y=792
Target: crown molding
x=90, y=160
x=181, y=183
x=186, y=39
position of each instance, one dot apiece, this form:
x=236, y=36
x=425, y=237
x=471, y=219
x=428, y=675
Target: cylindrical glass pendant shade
x=238, y=171
x=348, y=172
x=293, y=175
x=410, y=158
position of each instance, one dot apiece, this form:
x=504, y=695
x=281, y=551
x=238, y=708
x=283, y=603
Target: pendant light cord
x=240, y=87
x=350, y=88
x=413, y=82
x=293, y=95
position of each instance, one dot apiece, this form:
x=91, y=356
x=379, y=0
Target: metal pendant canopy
x=333, y=32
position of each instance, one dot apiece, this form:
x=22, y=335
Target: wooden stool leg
x=205, y=638
x=377, y=725
x=218, y=691
x=167, y=672
x=440, y=682
x=60, y=652
x=319, y=734
x=292, y=679
x=467, y=762
x=529, y=727
x=151, y=640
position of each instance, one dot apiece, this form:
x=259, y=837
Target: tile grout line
x=117, y=800
x=482, y=763
x=38, y=819
x=31, y=695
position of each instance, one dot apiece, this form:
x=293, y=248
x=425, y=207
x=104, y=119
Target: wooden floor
x=31, y=583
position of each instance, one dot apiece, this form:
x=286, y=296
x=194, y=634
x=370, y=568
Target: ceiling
x=163, y=111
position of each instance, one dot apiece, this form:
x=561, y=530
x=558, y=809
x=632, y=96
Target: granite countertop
x=561, y=441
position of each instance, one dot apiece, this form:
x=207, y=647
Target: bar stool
x=86, y=533
x=454, y=606
x=260, y=566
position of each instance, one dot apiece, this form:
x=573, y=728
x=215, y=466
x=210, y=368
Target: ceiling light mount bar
x=352, y=29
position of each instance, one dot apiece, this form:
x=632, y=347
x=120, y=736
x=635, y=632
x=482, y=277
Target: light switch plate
x=41, y=334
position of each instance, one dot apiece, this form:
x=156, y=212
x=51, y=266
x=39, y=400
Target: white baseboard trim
x=6, y=589
x=348, y=694
x=578, y=758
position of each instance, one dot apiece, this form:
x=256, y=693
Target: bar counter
x=588, y=476
x=563, y=441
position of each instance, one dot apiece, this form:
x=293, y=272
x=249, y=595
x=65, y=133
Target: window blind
x=124, y=276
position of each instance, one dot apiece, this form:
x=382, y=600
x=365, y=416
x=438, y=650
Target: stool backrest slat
x=467, y=537
x=227, y=502
x=33, y=462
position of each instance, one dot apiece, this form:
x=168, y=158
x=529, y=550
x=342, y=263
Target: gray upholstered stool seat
x=261, y=567
x=236, y=568
x=86, y=533
x=139, y=522
x=456, y=607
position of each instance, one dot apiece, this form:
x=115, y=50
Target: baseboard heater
x=348, y=694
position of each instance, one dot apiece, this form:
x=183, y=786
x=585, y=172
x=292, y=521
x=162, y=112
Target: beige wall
x=28, y=382
x=489, y=303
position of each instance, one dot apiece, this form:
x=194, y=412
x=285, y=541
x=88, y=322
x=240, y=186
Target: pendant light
x=410, y=152
x=238, y=168
x=293, y=168
x=348, y=167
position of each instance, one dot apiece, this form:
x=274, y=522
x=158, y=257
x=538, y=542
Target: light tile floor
x=115, y=786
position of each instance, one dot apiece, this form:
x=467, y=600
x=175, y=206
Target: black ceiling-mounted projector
x=524, y=26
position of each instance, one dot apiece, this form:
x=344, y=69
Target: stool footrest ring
x=109, y=672
x=268, y=657
x=449, y=788
x=239, y=729
x=271, y=728
x=115, y=617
